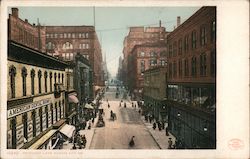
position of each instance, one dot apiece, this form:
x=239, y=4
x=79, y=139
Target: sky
x=111, y=23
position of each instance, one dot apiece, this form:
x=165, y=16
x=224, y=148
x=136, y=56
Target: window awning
x=43, y=139
x=73, y=99
x=68, y=130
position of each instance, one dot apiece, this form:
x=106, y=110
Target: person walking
x=154, y=125
x=166, y=131
x=170, y=143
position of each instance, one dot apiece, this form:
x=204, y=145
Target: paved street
x=117, y=134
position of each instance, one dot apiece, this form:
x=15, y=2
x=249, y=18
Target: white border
x=232, y=82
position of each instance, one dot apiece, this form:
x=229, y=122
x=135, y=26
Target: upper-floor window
x=39, y=81
x=170, y=70
x=186, y=43
x=61, y=35
x=193, y=66
x=175, y=48
x=50, y=81
x=162, y=62
x=180, y=67
x=186, y=68
x=45, y=81
x=73, y=35
x=203, y=64
x=12, y=73
x=67, y=45
x=24, y=77
x=55, y=35
x=153, y=54
x=32, y=75
x=54, y=81
x=180, y=46
x=194, y=39
x=203, y=35
x=59, y=77
x=170, y=51
x=87, y=35
x=69, y=35
x=174, y=69
x=142, y=54
x=142, y=66
x=153, y=62
x=62, y=78
x=50, y=45
x=65, y=35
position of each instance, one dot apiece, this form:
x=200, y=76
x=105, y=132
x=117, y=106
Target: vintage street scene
x=111, y=78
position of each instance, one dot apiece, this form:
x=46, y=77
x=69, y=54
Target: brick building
x=143, y=57
x=66, y=41
x=191, y=80
x=139, y=36
x=24, y=33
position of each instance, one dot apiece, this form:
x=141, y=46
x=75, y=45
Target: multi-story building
x=24, y=33
x=36, y=97
x=66, y=41
x=154, y=93
x=143, y=57
x=139, y=36
x=191, y=80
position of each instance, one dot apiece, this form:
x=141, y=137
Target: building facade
x=66, y=41
x=139, y=36
x=144, y=57
x=154, y=92
x=191, y=80
x=36, y=96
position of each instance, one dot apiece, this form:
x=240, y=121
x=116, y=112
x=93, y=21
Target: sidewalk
x=159, y=136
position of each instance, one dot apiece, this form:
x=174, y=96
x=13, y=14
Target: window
x=61, y=35
x=50, y=81
x=186, y=43
x=69, y=35
x=32, y=75
x=194, y=39
x=62, y=78
x=67, y=45
x=170, y=51
x=59, y=77
x=25, y=125
x=47, y=35
x=45, y=81
x=186, y=72
x=47, y=116
x=193, y=67
x=87, y=46
x=203, y=66
x=52, y=112
x=213, y=31
x=80, y=35
x=50, y=45
x=162, y=62
x=65, y=35
x=142, y=66
x=174, y=70
x=153, y=62
x=180, y=47
x=13, y=128
x=87, y=35
x=213, y=63
x=60, y=110
x=142, y=54
x=56, y=110
x=153, y=54
x=73, y=35
x=54, y=81
x=71, y=56
x=33, y=114
x=39, y=81
x=55, y=35
x=24, y=76
x=180, y=67
x=12, y=73
x=203, y=35
x=41, y=119
x=174, y=49
x=170, y=70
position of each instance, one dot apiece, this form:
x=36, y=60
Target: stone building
x=36, y=97
x=154, y=93
x=139, y=36
x=191, y=80
x=66, y=41
x=143, y=57
x=24, y=33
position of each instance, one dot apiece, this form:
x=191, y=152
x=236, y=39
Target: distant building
x=139, y=36
x=66, y=41
x=143, y=57
x=191, y=80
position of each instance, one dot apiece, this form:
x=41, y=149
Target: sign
x=19, y=136
x=37, y=125
x=30, y=130
x=25, y=108
x=49, y=119
x=44, y=121
x=9, y=139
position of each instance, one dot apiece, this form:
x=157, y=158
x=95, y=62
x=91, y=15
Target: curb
x=91, y=139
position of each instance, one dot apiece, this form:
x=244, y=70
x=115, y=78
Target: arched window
x=67, y=45
x=32, y=75
x=12, y=73
x=39, y=81
x=59, y=77
x=24, y=75
x=54, y=81
x=62, y=78
x=50, y=81
x=45, y=81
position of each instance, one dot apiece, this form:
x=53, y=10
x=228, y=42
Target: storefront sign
x=37, y=125
x=9, y=139
x=49, y=118
x=19, y=136
x=30, y=130
x=25, y=108
x=44, y=121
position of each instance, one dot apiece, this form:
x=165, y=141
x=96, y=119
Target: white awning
x=68, y=130
x=73, y=99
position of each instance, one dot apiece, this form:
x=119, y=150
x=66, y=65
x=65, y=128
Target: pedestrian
x=139, y=111
x=74, y=147
x=154, y=125
x=170, y=143
x=167, y=131
x=120, y=104
x=93, y=120
x=125, y=105
x=163, y=125
x=108, y=105
x=84, y=141
x=89, y=127
x=159, y=125
x=150, y=118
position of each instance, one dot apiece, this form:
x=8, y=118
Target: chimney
x=160, y=23
x=34, y=24
x=26, y=20
x=178, y=21
x=14, y=12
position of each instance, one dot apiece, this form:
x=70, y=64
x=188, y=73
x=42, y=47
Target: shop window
x=13, y=129
x=12, y=74
x=32, y=74
x=41, y=119
x=39, y=81
x=24, y=77
x=33, y=114
x=50, y=81
x=25, y=126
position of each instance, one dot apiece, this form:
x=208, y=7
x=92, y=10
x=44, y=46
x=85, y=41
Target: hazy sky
x=111, y=22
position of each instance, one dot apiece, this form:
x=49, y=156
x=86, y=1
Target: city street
x=117, y=134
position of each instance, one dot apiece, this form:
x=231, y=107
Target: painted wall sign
x=25, y=108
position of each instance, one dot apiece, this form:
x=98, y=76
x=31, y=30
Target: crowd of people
x=79, y=141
